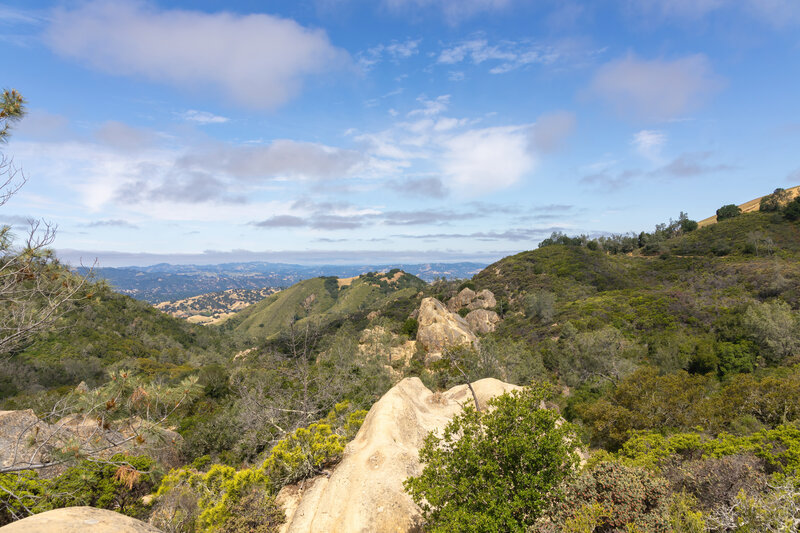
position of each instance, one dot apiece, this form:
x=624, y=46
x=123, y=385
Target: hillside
x=213, y=307
x=165, y=282
x=320, y=301
x=750, y=206
x=674, y=354
x=110, y=331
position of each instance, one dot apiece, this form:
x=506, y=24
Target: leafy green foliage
x=218, y=496
x=728, y=211
x=496, y=470
x=117, y=484
x=792, y=210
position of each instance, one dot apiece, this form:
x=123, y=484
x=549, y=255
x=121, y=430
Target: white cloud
x=396, y=50
x=202, y=117
x=431, y=107
x=485, y=160
x=507, y=55
x=648, y=143
x=259, y=60
x=655, y=89
x=454, y=11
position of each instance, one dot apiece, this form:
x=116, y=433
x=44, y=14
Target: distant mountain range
x=161, y=282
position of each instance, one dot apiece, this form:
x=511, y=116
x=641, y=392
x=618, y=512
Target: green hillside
x=110, y=331
x=320, y=301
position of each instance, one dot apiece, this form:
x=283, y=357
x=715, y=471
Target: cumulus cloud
x=257, y=60
x=655, y=89
x=484, y=160
x=551, y=130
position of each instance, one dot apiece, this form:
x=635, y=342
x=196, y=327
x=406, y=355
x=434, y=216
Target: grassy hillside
x=321, y=301
x=109, y=331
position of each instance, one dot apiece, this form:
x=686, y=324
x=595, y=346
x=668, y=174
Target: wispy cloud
x=648, y=143
x=394, y=51
x=202, y=117
x=504, y=56
x=112, y=223
x=454, y=11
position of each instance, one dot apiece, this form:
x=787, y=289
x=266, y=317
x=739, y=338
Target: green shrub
x=792, y=210
x=410, y=327
x=728, y=211
x=496, y=470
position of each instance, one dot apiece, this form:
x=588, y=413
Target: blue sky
x=390, y=130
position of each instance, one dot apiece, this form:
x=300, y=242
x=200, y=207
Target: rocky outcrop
x=365, y=492
x=79, y=520
x=472, y=300
x=440, y=329
x=482, y=321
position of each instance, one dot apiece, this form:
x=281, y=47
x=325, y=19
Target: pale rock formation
x=472, y=300
x=365, y=492
x=79, y=520
x=461, y=299
x=482, y=321
x=440, y=329
x=483, y=300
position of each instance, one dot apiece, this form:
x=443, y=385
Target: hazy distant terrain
x=164, y=282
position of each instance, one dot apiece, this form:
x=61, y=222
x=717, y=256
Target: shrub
x=410, y=327
x=629, y=497
x=496, y=470
x=792, y=210
x=728, y=211
x=774, y=201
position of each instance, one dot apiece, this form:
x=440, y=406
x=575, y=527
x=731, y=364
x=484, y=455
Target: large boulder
x=365, y=492
x=472, y=300
x=462, y=299
x=440, y=329
x=79, y=520
x=482, y=321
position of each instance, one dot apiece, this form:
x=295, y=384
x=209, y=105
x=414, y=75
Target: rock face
x=79, y=520
x=482, y=321
x=472, y=300
x=440, y=328
x=365, y=492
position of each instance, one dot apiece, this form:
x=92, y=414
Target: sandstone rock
x=15, y=426
x=440, y=328
x=472, y=300
x=79, y=520
x=482, y=321
x=483, y=300
x=365, y=492
x=461, y=299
